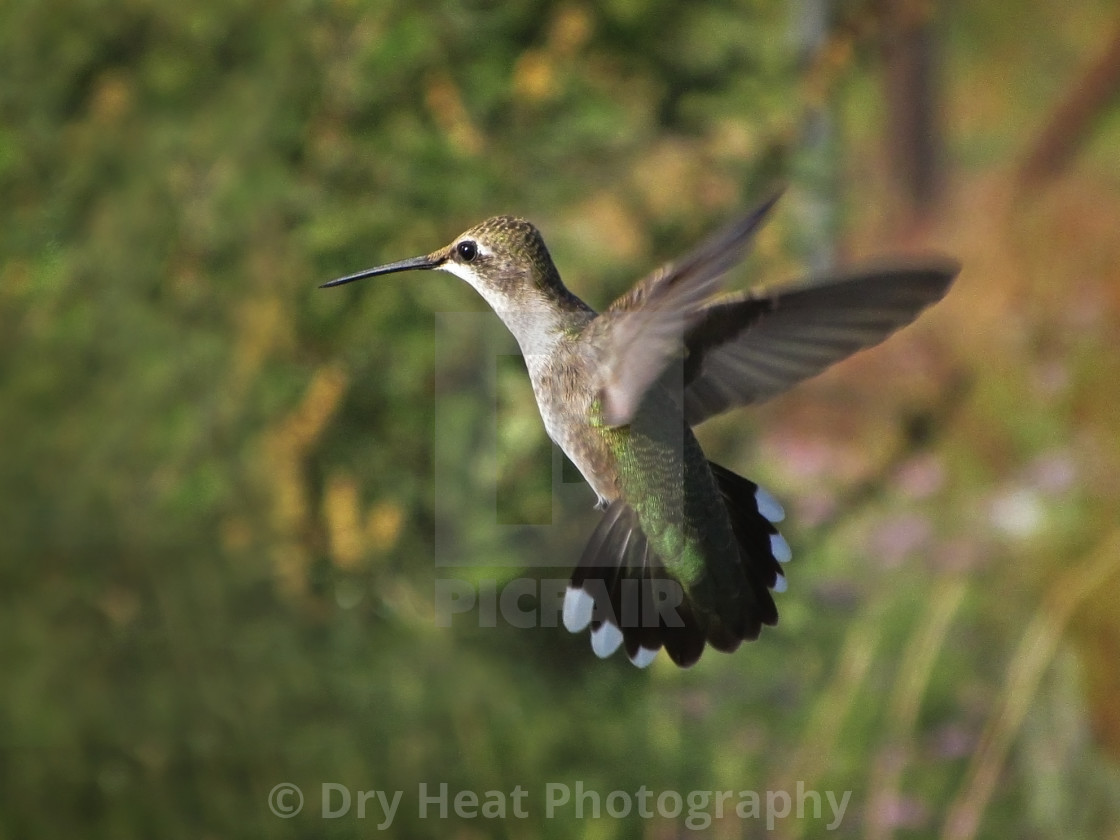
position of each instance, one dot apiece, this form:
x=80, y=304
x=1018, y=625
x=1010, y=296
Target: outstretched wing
x=748, y=349
x=644, y=329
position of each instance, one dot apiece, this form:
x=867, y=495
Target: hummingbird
x=687, y=553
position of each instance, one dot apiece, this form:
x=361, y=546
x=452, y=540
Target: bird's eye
x=467, y=250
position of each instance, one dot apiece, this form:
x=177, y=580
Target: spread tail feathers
x=625, y=594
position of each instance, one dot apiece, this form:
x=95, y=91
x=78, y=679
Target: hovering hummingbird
x=687, y=552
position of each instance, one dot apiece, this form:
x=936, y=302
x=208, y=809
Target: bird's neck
x=539, y=323
x=538, y=314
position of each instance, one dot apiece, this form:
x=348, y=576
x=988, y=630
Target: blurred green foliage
x=218, y=494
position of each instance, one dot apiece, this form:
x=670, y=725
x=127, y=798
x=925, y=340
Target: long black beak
x=404, y=265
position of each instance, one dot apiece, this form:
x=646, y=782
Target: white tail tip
x=605, y=640
x=778, y=547
x=768, y=506
x=578, y=607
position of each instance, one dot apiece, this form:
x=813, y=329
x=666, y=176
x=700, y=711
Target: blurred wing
x=645, y=327
x=749, y=349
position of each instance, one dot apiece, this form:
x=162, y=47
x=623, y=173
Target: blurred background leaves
x=217, y=498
